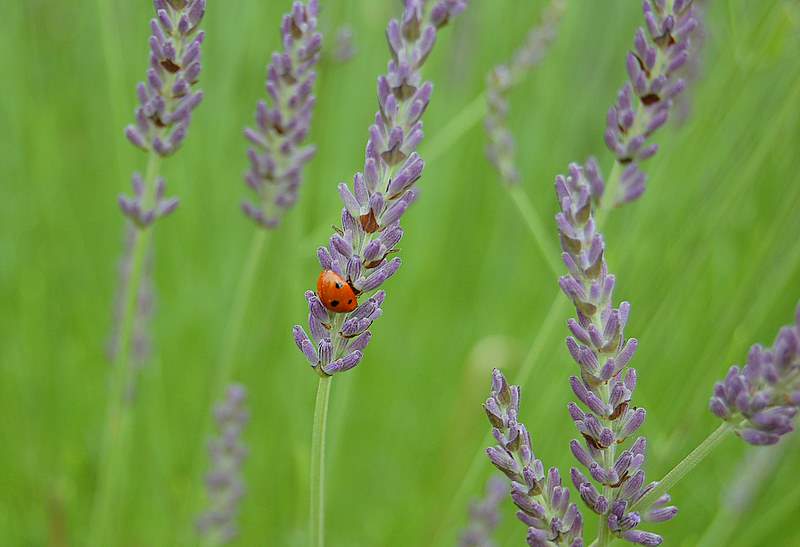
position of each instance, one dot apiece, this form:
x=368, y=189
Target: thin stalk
x=603, y=533
x=119, y=413
x=536, y=227
x=241, y=299
x=465, y=120
x=687, y=464
x=317, y=475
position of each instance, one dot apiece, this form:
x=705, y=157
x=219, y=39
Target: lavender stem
x=118, y=418
x=685, y=466
x=317, y=474
x=244, y=287
x=536, y=227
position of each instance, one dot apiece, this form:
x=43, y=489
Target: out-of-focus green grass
x=709, y=258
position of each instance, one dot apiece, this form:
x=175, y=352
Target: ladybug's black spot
x=334, y=303
x=350, y=301
x=338, y=285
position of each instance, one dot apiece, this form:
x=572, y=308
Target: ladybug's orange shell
x=335, y=293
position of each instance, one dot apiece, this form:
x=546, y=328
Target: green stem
x=608, y=456
x=317, y=475
x=244, y=287
x=537, y=229
x=119, y=413
x=458, y=126
x=687, y=464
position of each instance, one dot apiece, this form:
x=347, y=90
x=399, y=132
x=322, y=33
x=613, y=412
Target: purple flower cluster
x=605, y=386
x=501, y=147
x=542, y=501
x=359, y=250
x=644, y=103
x=485, y=515
x=761, y=399
x=166, y=100
x=224, y=482
x=135, y=207
x=278, y=156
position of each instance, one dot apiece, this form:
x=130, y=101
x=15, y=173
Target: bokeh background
x=709, y=259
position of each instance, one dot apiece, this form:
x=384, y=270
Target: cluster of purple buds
x=605, y=386
x=277, y=155
x=359, y=250
x=166, y=99
x=224, y=482
x=543, y=503
x=644, y=103
x=135, y=208
x=485, y=515
x=500, y=149
x=761, y=399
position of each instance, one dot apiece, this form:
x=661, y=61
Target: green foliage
x=709, y=258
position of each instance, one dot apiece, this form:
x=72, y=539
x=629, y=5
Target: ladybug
x=335, y=293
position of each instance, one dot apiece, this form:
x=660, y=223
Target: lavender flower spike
x=542, y=502
x=761, y=399
x=605, y=387
x=644, y=103
x=277, y=155
x=380, y=195
x=485, y=515
x=224, y=482
x=500, y=148
x=166, y=100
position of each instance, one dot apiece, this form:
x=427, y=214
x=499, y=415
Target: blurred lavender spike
x=380, y=195
x=224, y=484
x=166, y=101
x=761, y=399
x=542, y=501
x=661, y=49
x=345, y=48
x=500, y=148
x=605, y=386
x=277, y=154
x=485, y=515
x=145, y=302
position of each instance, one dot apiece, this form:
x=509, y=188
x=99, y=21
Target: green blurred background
x=709, y=258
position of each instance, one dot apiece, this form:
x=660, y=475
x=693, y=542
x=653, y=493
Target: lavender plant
x=643, y=105
x=500, y=148
x=166, y=101
x=277, y=155
x=359, y=251
x=606, y=384
x=758, y=402
x=217, y=525
x=485, y=515
x=542, y=501
x=761, y=400
x=663, y=50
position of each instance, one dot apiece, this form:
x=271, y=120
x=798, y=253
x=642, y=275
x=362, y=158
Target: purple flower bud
x=282, y=128
x=761, y=399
